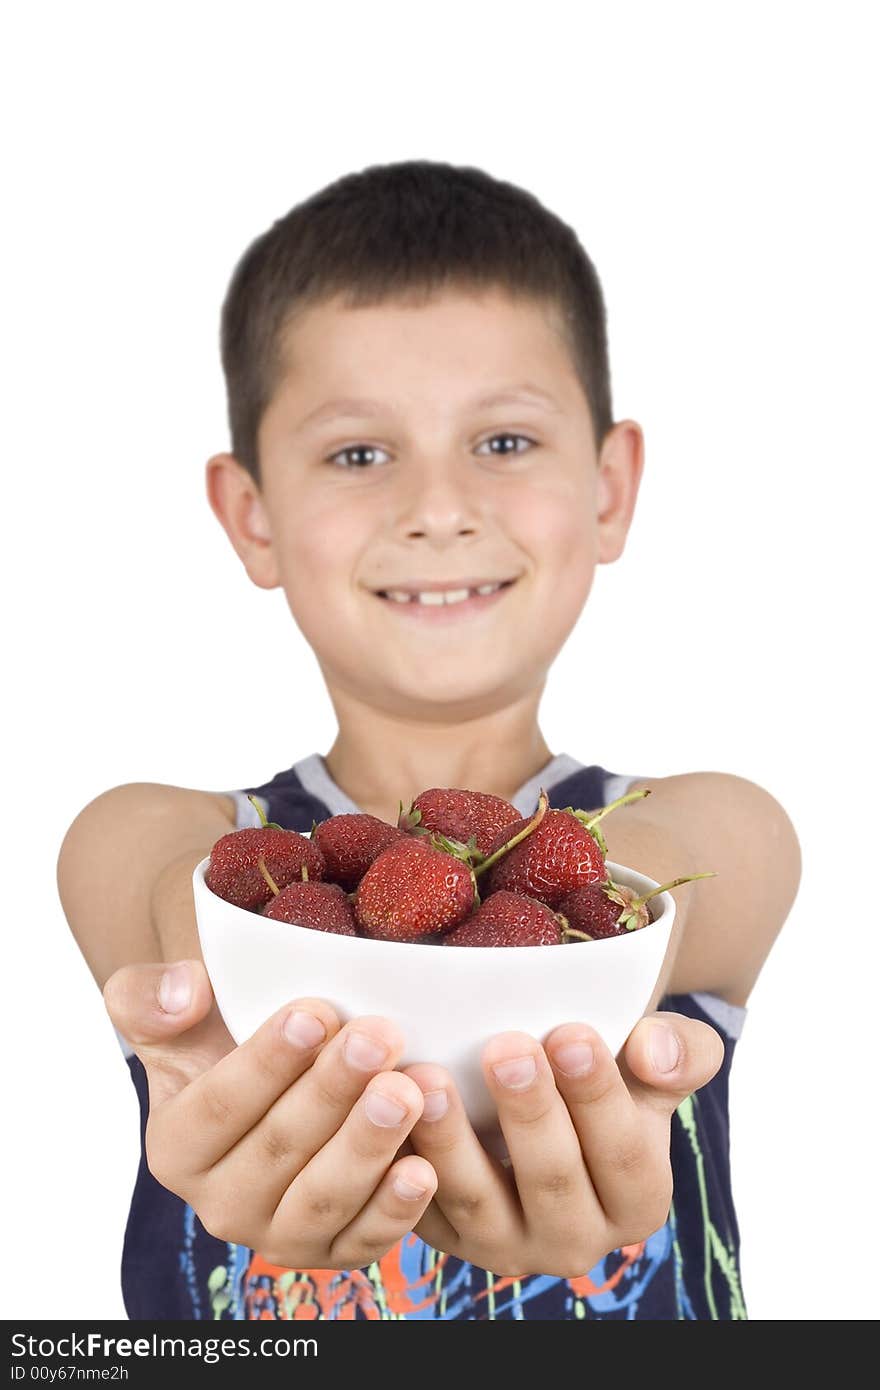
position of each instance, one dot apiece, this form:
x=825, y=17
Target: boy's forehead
x=488, y=339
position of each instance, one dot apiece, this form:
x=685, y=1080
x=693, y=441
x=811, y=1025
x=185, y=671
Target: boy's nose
x=438, y=503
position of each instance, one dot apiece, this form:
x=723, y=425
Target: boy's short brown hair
x=404, y=231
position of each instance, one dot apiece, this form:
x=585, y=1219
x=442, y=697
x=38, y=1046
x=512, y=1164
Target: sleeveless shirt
x=172, y=1268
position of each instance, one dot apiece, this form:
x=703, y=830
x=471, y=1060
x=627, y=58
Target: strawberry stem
x=533, y=824
x=569, y=932
x=266, y=824
x=305, y=874
x=590, y=820
x=689, y=878
x=477, y=901
x=448, y=846
x=411, y=821
x=261, y=865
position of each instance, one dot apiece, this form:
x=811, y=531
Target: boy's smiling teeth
x=436, y=597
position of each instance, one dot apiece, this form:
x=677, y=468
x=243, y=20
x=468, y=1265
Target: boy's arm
x=124, y=872
x=725, y=926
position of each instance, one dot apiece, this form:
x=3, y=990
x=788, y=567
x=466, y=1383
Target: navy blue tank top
x=689, y=1269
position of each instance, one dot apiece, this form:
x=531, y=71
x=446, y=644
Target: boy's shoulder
x=224, y=804
x=147, y=826
x=701, y=821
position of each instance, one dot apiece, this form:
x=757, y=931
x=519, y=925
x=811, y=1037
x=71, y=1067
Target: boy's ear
x=621, y=460
x=237, y=503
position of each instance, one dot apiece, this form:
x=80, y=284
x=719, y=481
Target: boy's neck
x=379, y=761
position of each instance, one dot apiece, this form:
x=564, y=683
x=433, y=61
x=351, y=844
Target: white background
x=718, y=162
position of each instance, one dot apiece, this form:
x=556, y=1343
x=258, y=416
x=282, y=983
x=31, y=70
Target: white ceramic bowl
x=447, y=1000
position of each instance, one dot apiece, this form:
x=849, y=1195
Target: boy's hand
x=588, y=1144
x=285, y=1144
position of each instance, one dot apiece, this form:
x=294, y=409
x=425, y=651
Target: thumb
x=168, y=1014
x=667, y=1057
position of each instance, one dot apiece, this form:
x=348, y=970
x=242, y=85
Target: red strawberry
x=610, y=909
x=324, y=906
x=557, y=856
x=233, y=871
x=470, y=819
x=550, y=854
x=412, y=890
x=350, y=843
x=508, y=919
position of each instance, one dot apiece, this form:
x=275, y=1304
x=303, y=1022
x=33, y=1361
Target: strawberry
x=349, y=843
x=508, y=919
x=560, y=855
x=412, y=890
x=324, y=906
x=610, y=909
x=472, y=820
x=550, y=854
x=233, y=872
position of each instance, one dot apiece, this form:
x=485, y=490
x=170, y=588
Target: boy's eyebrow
x=359, y=408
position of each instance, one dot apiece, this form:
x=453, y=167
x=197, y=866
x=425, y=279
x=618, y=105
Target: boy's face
x=430, y=486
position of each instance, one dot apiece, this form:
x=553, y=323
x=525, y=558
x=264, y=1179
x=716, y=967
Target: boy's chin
x=461, y=694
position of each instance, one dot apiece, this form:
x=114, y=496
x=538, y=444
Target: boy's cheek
x=326, y=549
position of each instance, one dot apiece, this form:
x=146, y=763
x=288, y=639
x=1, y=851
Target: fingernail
x=663, y=1048
x=382, y=1110
x=516, y=1074
x=304, y=1030
x=436, y=1105
x=574, y=1058
x=364, y=1053
x=175, y=990
x=408, y=1190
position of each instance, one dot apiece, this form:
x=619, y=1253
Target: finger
x=390, y=1214
x=339, y=1180
x=168, y=1014
x=475, y=1192
x=628, y=1176
x=433, y=1226
x=667, y=1057
x=554, y=1187
x=151, y=1003
x=216, y=1109
x=302, y=1119
x=435, y=1230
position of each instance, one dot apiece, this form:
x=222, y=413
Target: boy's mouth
x=439, y=603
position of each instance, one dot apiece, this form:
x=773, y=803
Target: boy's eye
x=364, y=449
x=505, y=435
x=355, y=449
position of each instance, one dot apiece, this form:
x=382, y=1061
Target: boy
x=383, y=345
